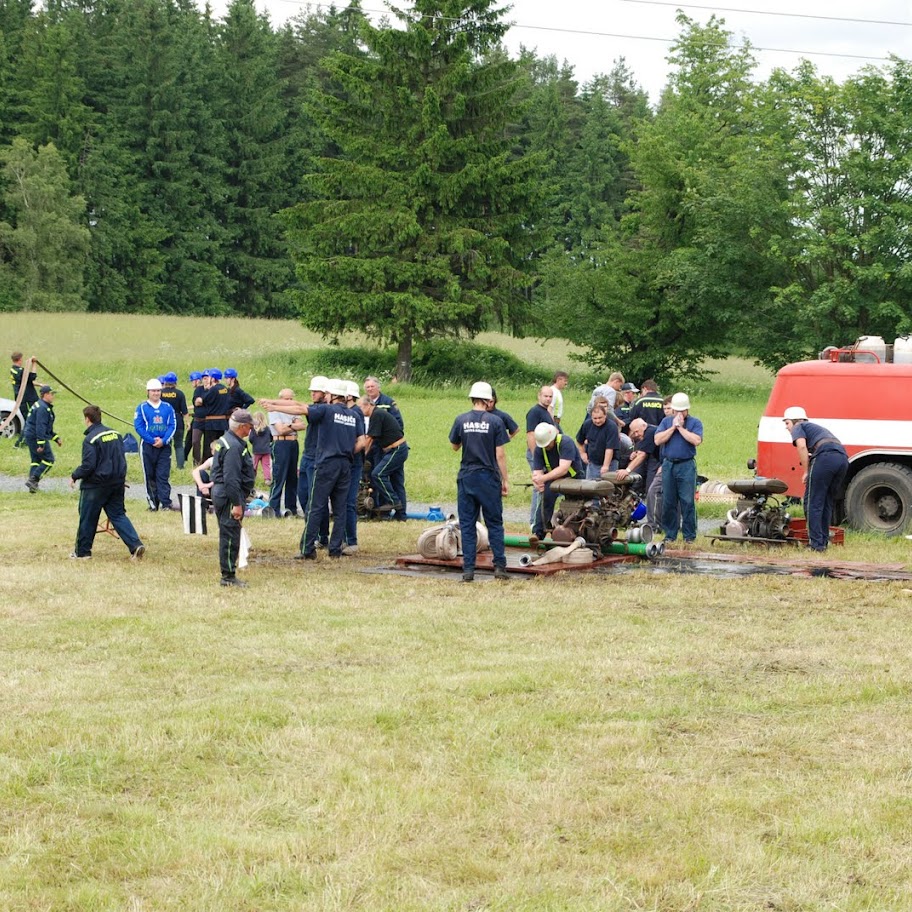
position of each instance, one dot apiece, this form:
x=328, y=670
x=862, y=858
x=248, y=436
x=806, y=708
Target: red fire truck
x=868, y=406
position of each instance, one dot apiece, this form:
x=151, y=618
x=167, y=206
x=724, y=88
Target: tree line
x=412, y=179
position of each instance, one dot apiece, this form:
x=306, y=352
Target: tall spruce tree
x=420, y=227
x=256, y=261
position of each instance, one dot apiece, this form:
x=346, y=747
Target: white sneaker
x=349, y=549
x=138, y=554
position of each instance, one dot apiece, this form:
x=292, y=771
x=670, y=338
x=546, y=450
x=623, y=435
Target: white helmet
x=680, y=402
x=794, y=413
x=481, y=390
x=154, y=384
x=318, y=384
x=353, y=389
x=545, y=434
x=337, y=387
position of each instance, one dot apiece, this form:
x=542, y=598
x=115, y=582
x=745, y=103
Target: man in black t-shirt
x=539, y=413
x=388, y=474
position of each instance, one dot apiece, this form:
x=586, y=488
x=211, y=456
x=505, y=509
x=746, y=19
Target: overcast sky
x=592, y=34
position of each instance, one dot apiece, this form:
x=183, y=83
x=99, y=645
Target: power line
x=757, y=12
x=598, y=34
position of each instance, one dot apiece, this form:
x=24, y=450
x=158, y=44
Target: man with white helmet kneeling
x=482, y=480
x=556, y=456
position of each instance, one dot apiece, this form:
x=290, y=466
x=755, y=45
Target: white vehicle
x=13, y=429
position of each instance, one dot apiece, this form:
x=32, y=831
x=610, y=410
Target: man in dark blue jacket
x=103, y=477
x=232, y=482
x=39, y=434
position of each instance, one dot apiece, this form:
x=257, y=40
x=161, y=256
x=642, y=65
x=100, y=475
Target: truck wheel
x=879, y=498
x=12, y=429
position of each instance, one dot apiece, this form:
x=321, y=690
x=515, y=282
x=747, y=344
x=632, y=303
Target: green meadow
x=339, y=737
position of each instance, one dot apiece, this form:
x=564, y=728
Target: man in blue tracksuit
x=482, y=481
x=103, y=477
x=679, y=435
x=825, y=463
x=155, y=423
x=39, y=434
x=556, y=456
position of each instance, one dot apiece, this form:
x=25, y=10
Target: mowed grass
x=332, y=739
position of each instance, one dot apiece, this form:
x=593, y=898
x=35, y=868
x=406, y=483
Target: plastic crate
x=798, y=530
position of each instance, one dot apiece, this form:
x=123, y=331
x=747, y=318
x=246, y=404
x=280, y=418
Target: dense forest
x=412, y=179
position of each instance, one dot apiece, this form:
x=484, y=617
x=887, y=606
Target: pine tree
x=256, y=260
x=420, y=227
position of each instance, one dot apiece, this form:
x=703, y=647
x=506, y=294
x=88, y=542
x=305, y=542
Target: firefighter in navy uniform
x=232, y=483
x=103, y=477
x=650, y=406
x=178, y=401
x=39, y=434
x=390, y=451
x=237, y=398
x=215, y=407
x=482, y=480
x=193, y=445
x=825, y=463
x=556, y=456
x=29, y=397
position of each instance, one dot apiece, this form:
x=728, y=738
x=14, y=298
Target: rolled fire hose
x=557, y=555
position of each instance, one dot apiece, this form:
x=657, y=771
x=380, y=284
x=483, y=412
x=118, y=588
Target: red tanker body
x=868, y=406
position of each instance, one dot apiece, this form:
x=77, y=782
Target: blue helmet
x=196, y=375
x=215, y=373
x=170, y=377
x=163, y=378
x=230, y=373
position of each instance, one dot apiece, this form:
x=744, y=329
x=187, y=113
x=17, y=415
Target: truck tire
x=879, y=498
x=12, y=429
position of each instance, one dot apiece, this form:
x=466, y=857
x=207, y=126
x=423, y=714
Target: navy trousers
x=331, y=480
x=157, y=466
x=388, y=478
x=92, y=501
x=479, y=493
x=826, y=475
x=284, y=475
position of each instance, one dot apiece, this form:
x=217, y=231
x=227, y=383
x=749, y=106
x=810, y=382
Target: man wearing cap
x=39, y=434
x=155, y=423
x=285, y=427
x=178, y=401
x=194, y=442
x=649, y=406
x=482, y=481
x=215, y=408
x=103, y=476
x=624, y=409
x=237, y=398
x=232, y=483
x=679, y=435
x=825, y=463
x=556, y=456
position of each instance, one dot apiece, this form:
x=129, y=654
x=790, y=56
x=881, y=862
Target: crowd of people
x=313, y=455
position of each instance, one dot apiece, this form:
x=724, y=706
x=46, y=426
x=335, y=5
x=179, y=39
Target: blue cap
x=215, y=373
x=230, y=373
x=170, y=377
x=196, y=375
x=163, y=378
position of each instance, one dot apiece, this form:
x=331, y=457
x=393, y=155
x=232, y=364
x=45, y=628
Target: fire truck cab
x=868, y=406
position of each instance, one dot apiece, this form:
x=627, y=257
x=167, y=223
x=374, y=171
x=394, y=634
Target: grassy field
x=331, y=739
x=107, y=360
